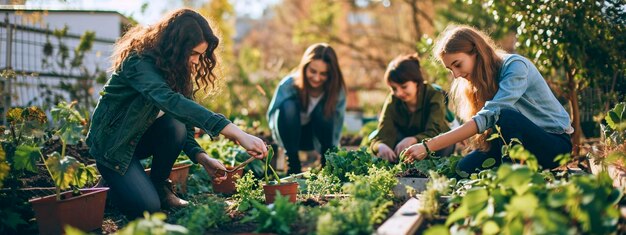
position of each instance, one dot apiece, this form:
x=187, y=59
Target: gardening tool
x=243, y=164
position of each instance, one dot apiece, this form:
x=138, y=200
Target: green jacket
x=129, y=104
x=397, y=122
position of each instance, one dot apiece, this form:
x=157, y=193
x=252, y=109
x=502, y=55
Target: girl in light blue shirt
x=492, y=88
x=309, y=105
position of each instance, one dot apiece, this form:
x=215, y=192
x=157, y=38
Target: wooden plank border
x=405, y=221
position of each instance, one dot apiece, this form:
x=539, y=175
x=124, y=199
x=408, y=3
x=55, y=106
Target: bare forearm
x=232, y=132
x=461, y=133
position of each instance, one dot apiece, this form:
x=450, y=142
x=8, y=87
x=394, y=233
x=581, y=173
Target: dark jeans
x=545, y=146
x=134, y=192
x=295, y=137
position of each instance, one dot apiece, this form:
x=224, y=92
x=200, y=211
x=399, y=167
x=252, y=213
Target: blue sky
x=155, y=10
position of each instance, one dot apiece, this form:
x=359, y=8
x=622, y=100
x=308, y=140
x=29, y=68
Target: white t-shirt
x=161, y=113
x=305, y=115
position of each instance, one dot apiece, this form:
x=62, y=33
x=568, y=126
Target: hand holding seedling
x=414, y=152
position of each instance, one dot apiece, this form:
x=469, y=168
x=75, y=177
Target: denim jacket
x=129, y=104
x=286, y=90
x=522, y=88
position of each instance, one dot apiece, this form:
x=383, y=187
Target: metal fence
x=34, y=77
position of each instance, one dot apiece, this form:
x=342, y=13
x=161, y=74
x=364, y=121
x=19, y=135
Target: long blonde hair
x=333, y=85
x=471, y=94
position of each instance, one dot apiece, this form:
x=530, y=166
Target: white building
x=28, y=31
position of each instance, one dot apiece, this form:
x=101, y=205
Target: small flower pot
x=227, y=186
x=178, y=176
x=289, y=189
x=85, y=211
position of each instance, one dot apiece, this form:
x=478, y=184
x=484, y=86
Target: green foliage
x=615, y=130
x=350, y=216
x=229, y=153
x=65, y=170
x=268, y=167
x=204, y=213
x=340, y=162
x=371, y=195
x=198, y=181
x=61, y=61
x=248, y=189
x=319, y=184
x=441, y=165
x=152, y=225
x=613, y=150
x=276, y=217
x=26, y=158
x=4, y=166
x=436, y=187
x=324, y=16
x=516, y=199
x=616, y=117
x=18, y=156
x=376, y=185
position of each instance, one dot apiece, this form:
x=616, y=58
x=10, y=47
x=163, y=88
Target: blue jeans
x=545, y=146
x=135, y=191
x=294, y=137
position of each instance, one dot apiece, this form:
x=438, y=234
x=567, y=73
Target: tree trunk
x=573, y=97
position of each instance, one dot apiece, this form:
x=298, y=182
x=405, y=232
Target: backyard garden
x=49, y=183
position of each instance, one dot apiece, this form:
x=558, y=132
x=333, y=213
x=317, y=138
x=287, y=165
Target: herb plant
x=276, y=217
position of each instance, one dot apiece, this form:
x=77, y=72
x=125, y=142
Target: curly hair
x=171, y=42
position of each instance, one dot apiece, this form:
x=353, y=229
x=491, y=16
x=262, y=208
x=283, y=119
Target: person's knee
x=465, y=167
x=176, y=129
x=289, y=109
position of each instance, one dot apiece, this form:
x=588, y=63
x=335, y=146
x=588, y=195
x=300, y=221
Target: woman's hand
x=212, y=166
x=386, y=153
x=415, y=152
x=253, y=145
x=405, y=143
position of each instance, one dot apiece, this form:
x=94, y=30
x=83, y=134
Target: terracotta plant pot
x=178, y=176
x=85, y=211
x=227, y=186
x=286, y=189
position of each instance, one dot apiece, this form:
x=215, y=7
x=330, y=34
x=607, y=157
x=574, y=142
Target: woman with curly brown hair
x=147, y=109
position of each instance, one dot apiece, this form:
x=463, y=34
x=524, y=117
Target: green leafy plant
x=152, y=224
x=340, y=162
x=437, y=186
x=204, y=213
x=65, y=170
x=249, y=189
x=441, y=165
x=276, y=217
x=515, y=199
x=371, y=196
x=22, y=139
x=229, y=153
x=319, y=184
x=613, y=150
x=268, y=167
